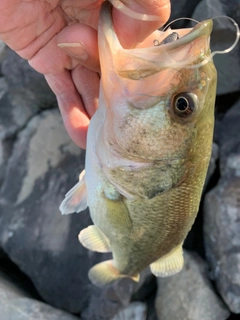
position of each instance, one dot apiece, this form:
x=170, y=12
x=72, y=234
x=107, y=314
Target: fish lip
x=203, y=28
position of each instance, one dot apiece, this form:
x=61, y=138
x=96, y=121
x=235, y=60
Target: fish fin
x=117, y=216
x=82, y=175
x=93, y=239
x=76, y=198
x=105, y=273
x=170, y=264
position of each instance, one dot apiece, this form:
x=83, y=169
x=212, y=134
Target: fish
x=148, y=150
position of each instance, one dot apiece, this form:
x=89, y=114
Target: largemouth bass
x=148, y=149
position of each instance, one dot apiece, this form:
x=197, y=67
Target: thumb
x=131, y=31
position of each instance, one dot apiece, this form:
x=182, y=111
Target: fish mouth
x=202, y=29
x=146, y=59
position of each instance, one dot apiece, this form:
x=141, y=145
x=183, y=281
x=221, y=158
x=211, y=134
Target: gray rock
x=229, y=140
x=228, y=135
x=233, y=7
x=4, y=112
x=223, y=36
x=105, y=303
x=43, y=166
x=134, y=311
x=3, y=144
x=222, y=214
x=25, y=83
x=5, y=151
x=229, y=125
x=212, y=164
x=182, y=9
x=152, y=314
x=2, y=50
x=3, y=87
x=222, y=239
x=22, y=92
x=15, y=108
x=16, y=305
x=189, y=294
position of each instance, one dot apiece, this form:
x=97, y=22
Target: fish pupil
x=182, y=104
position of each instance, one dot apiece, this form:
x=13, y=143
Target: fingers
x=80, y=42
x=51, y=59
x=87, y=84
x=75, y=117
x=131, y=31
x=75, y=86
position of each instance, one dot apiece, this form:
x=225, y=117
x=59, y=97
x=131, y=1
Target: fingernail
x=74, y=49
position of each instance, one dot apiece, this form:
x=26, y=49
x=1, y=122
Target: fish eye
x=184, y=104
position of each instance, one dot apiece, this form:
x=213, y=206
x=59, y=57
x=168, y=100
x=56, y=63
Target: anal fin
x=170, y=264
x=76, y=198
x=93, y=239
x=105, y=273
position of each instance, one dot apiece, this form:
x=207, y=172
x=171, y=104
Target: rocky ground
x=43, y=269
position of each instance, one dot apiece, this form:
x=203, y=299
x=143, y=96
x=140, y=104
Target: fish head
x=159, y=100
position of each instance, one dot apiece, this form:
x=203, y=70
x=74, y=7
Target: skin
x=34, y=28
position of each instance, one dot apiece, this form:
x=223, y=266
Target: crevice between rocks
x=12, y=272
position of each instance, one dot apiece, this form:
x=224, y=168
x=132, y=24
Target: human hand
x=59, y=39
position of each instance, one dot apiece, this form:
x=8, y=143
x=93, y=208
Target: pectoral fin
x=93, y=239
x=105, y=273
x=76, y=198
x=169, y=264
